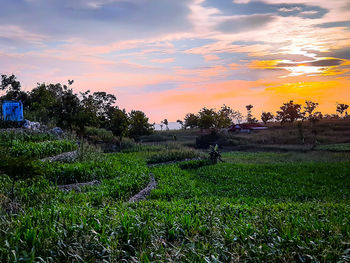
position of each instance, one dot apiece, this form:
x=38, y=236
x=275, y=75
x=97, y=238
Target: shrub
x=100, y=135
x=205, y=140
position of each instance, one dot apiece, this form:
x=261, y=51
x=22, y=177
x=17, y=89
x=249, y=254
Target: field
x=267, y=206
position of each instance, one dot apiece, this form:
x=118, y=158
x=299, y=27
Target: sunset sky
x=171, y=57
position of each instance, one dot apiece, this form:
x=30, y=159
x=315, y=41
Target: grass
x=255, y=207
x=339, y=147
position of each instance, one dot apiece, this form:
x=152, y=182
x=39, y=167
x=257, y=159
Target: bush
x=99, y=135
x=10, y=124
x=205, y=140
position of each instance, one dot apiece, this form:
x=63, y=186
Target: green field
x=255, y=207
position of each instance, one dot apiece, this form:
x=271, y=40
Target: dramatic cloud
x=171, y=57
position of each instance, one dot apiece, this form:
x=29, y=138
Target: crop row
x=8, y=137
x=40, y=149
x=111, y=166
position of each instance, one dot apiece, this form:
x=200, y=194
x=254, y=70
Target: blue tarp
x=12, y=110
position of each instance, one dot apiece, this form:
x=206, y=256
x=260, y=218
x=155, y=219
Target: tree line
x=289, y=112
x=58, y=105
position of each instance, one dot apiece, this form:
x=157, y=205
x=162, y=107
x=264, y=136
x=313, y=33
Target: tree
x=266, y=116
x=119, y=123
x=191, y=120
x=139, y=125
x=207, y=118
x=10, y=82
x=166, y=123
x=12, y=86
x=289, y=112
x=236, y=115
x=310, y=113
x=97, y=105
x=341, y=108
x=250, y=118
x=224, y=117
x=181, y=123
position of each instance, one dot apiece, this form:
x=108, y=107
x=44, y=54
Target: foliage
x=250, y=118
x=266, y=116
x=18, y=169
x=272, y=211
x=139, y=125
x=214, y=154
x=310, y=113
x=8, y=137
x=119, y=122
x=108, y=167
x=166, y=123
x=341, y=108
x=203, y=141
x=289, y=112
x=95, y=135
x=5, y=124
x=191, y=121
x=207, y=118
x=40, y=149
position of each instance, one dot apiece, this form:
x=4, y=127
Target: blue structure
x=12, y=110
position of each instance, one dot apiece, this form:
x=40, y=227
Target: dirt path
x=145, y=192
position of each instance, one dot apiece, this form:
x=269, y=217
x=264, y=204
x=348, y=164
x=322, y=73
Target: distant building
x=12, y=110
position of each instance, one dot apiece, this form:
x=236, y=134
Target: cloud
x=211, y=57
x=163, y=60
x=245, y=23
x=290, y=9
x=97, y=21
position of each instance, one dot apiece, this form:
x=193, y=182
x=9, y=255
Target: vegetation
x=276, y=202
x=58, y=105
x=253, y=207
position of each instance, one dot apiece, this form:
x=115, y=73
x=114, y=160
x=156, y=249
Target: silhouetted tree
x=181, y=123
x=238, y=116
x=341, y=108
x=250, y=118
x=224, y=117
x=266, y=116
x=191, y=120
x=289, y=112
x=310, y=113
x=166, y=123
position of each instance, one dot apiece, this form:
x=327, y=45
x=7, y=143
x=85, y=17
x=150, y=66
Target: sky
x=171, y=57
